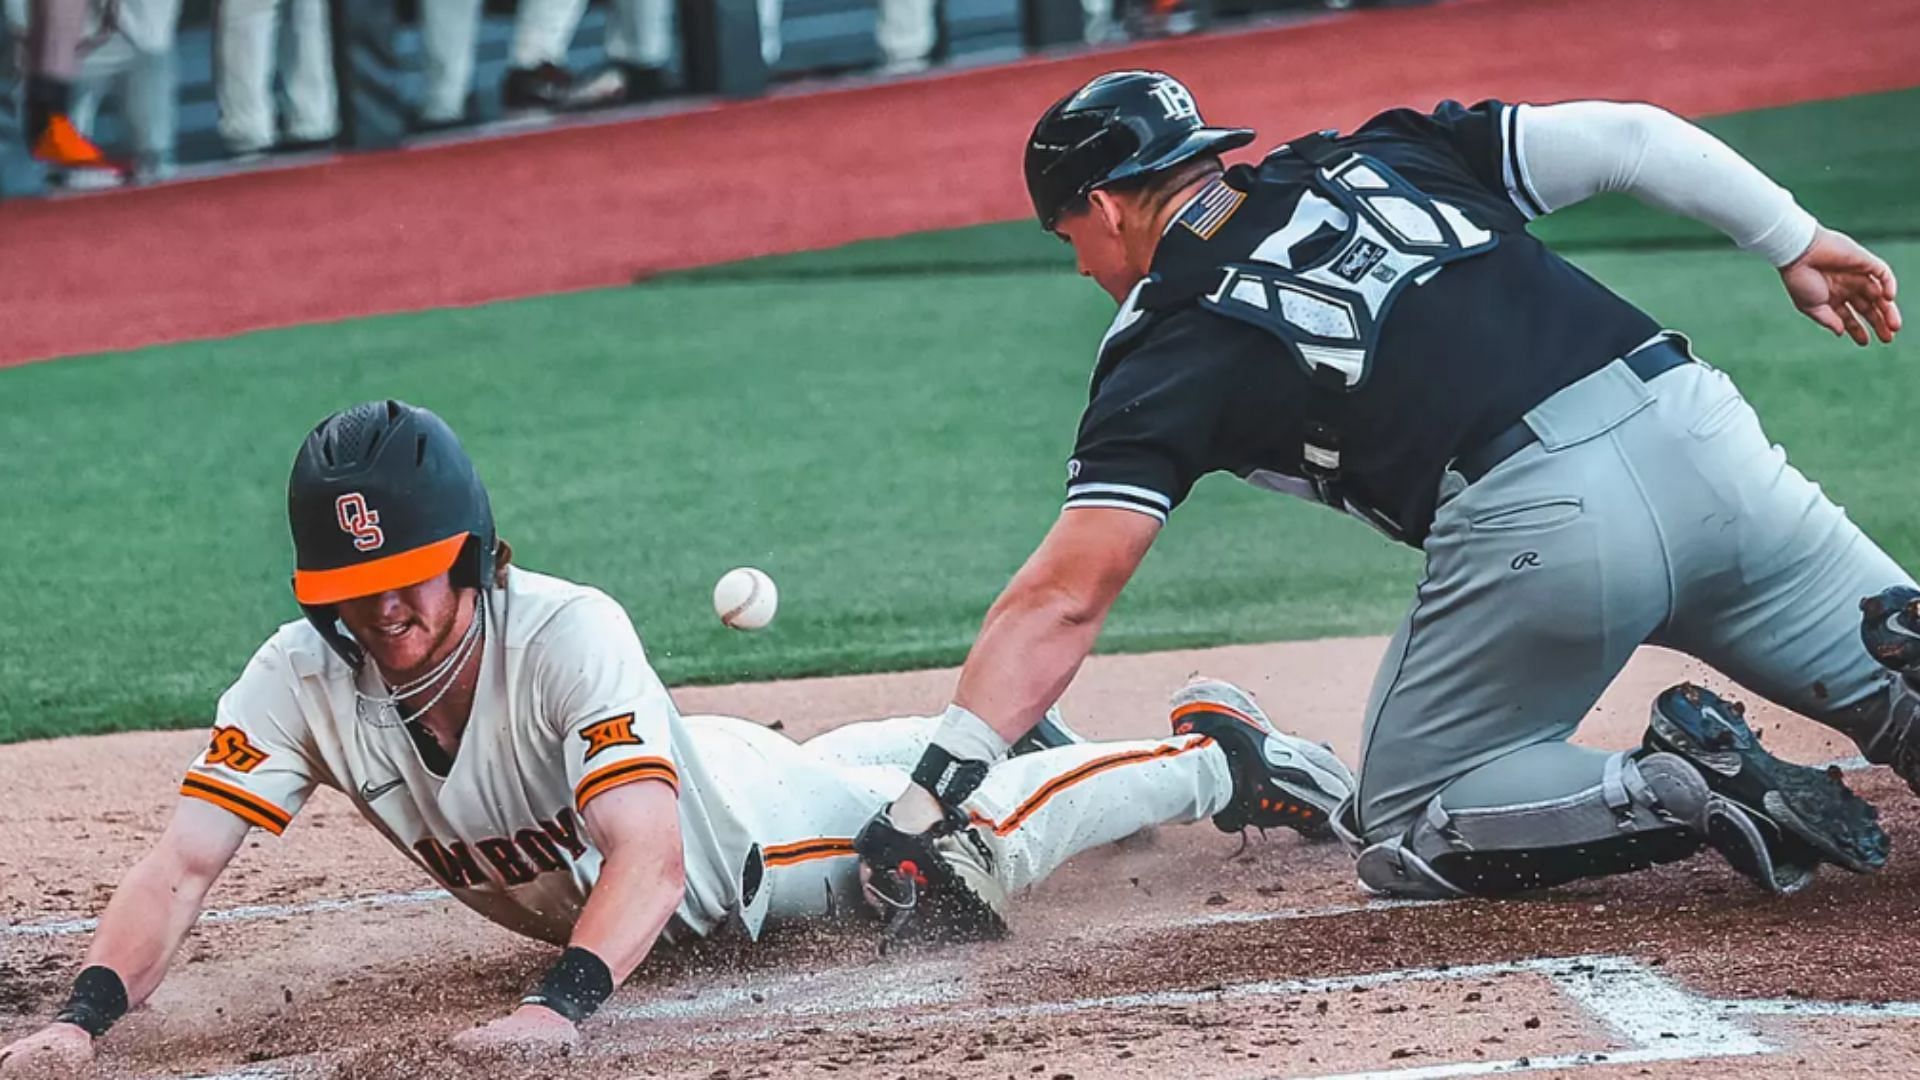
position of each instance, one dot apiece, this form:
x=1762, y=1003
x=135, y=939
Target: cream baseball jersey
x=567, y=708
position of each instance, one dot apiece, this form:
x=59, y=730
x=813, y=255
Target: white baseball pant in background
x=246, y=55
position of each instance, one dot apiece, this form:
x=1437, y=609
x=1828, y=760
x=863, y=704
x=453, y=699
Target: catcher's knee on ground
x=1636, y=814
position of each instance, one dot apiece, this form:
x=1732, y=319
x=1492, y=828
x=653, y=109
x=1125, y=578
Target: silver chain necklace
x=385, y=711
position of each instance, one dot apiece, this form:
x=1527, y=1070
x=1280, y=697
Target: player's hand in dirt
x=1844, y=287
x=530, y=1031
x=57, y=1050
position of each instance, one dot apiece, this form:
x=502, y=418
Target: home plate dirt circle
x=1180, y=953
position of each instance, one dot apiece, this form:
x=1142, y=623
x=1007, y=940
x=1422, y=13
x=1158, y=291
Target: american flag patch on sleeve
x=1211, y=208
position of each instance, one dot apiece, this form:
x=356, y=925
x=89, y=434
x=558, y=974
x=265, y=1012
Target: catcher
x=1364, y=321
x=504, y=729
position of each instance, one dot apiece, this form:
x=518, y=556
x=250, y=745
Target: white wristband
x=967, y=737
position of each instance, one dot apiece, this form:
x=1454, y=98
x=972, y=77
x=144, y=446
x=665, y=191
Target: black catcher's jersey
x=1182, y=392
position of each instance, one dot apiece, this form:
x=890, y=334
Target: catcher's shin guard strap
x=951, y=779
x=1642, y=813
x=577, y=984
x=99, y=999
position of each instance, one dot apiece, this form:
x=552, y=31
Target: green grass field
x=888, y=445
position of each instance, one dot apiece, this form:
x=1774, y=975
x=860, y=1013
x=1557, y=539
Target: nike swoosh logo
x=1894, y=625
x=369, y=792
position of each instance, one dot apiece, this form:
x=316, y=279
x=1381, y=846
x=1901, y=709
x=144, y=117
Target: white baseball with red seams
x=745, y=598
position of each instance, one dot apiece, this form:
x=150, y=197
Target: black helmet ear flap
x=474, y=567
x=326, y=620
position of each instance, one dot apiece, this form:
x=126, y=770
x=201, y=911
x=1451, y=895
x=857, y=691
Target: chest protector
x=1328, y=313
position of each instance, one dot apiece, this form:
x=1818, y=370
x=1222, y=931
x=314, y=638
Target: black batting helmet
x=1121, y=125
x=383, y=497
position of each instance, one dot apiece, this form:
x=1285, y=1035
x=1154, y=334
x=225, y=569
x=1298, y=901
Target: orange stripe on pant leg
x=834, y=851
x=795, y=847
x=1084, y=772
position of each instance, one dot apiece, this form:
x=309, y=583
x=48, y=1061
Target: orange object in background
x=60, y=144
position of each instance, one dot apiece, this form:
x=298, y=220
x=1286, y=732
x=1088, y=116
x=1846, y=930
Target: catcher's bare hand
x=529, y=1031
x=57, y=1050
x=1844, y=287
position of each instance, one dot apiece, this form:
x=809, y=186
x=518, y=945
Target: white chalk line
x=1866, y=1010
x=1653, y=1016
x=264, y=912
x=861, y=1004
x=246, y=913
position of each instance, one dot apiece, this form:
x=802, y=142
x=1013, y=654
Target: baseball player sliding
x=504, y=729
x=1364, y=320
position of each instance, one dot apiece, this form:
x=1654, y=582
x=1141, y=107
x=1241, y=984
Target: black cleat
x=1797, y=811
x=536, y=88
x=1890, y=628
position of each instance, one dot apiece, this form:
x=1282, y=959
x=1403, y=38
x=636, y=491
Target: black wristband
x=99, y=999
x=951, y=779
x=575, y=985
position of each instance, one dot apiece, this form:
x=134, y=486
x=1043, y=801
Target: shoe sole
x=1216, y=695
x=1811, y=804
x=1310, y=776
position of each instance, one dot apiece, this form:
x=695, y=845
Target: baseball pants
x=248, y=53
x=1649, y=512
x=1035, y=811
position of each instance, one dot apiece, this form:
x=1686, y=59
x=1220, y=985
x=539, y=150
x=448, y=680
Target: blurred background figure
x=55, y=33
x=640, y=44
x=639, y=50
x=124, y=51
x=907, y=34
x=908, y=31
x=248, y=48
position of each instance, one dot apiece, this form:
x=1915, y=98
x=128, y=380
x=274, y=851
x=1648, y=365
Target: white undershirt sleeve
x=1578, y=149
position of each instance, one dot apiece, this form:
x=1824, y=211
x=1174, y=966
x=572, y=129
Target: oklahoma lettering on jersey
x=567, y=708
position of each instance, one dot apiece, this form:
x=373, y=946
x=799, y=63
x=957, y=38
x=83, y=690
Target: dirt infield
x=329, y=955
x=591, y=206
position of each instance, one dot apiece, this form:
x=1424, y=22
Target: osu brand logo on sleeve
x=614, y=731
x=231, y=748
x=359, y=521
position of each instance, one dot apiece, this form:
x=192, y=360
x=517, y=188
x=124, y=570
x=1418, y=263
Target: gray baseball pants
x=1648, y=512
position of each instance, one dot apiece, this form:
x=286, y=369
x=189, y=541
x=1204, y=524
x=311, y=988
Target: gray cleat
x=1051, y=733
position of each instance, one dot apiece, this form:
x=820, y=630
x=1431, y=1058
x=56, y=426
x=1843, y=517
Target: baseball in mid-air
x=745, y=598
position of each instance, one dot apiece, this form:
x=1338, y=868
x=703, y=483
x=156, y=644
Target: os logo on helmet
x=1175, y=99
x=359, y=521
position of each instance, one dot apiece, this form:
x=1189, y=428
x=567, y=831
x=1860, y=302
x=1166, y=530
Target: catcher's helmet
x=382, y=497
x=1123, y=124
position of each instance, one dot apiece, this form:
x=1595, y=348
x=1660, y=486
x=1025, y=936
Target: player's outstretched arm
x=1044, y=624
x=642, y=880
x=1034, y=638
x=1844, y=287
x=1577, y=149
x=149, y=915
